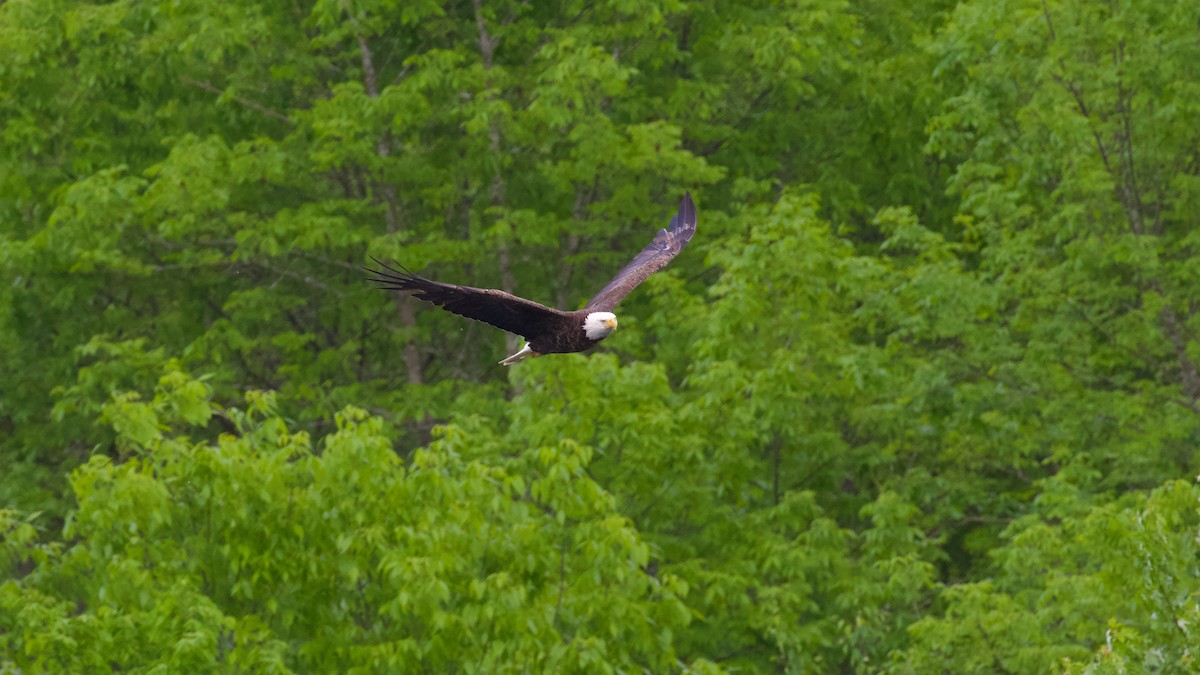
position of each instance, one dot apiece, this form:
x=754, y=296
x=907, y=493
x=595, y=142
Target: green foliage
x=1120, y=576
x=260, y=552
x=921, y=396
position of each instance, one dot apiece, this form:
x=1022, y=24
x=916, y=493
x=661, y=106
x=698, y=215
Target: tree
x=920, y=395
x=263, y=552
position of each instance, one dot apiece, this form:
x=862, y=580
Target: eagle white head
x=599, y=325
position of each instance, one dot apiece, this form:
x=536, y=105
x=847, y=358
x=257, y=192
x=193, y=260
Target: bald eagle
x=547, y=330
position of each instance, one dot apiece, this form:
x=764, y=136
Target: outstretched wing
x=502, y=310
x=666, y=245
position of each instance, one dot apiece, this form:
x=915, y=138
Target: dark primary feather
x=502, y=310
x=666, y=245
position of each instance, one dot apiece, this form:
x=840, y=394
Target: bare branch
x=207, y=86
x=1187, y=369
x=487, y=46
x=368, y=63
x=404, y=303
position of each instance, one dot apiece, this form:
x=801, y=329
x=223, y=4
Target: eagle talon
x=524, y=353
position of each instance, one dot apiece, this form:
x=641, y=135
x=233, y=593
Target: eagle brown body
x=545, y=329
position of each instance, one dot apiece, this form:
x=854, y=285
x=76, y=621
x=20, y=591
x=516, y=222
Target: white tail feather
x=519, y=356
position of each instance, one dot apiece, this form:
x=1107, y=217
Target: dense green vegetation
x=922, y=395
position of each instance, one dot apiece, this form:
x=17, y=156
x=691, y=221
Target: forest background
x=921, y=396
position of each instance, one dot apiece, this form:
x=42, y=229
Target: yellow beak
x=611, y=323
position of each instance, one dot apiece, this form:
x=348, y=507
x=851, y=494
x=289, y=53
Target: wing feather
x=502, y=310
x=666, y=245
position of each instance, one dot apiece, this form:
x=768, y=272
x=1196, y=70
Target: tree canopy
x=922, y=394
